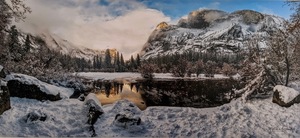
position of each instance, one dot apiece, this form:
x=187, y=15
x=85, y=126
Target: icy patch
x=45, y=87
x=286, y=94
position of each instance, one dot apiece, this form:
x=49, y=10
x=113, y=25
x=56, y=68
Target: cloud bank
x=96, y=24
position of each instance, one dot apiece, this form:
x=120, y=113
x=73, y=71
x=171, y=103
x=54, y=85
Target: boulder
x=122, y=120
x=4, y=93
x=93, y=108
x=4, y=98
x=31, y=91
x=127, y=116
x=285, y=96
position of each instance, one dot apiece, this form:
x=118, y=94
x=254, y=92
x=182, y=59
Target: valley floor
x=257, y=118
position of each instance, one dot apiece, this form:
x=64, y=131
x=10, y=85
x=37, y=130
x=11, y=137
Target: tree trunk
x=287, y=71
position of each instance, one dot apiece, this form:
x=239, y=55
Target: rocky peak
x=162, y=25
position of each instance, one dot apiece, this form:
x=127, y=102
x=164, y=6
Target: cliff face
x=211, y=30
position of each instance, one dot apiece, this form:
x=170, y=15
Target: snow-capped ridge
x=216, y=30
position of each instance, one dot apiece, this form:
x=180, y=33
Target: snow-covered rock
x=285, y=96
x=127, y=116
x=21, y=85
x=4, y=93
x=4, y=97
x=93, y=108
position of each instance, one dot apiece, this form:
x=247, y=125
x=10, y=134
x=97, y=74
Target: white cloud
x=120, y=24
x=266, y=10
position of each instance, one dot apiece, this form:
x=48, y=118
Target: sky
x=125, y=24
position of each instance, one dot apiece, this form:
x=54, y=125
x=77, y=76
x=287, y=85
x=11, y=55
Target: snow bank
x=286, y=94
x=45, y=87
x=107, y=75
x=132, y=75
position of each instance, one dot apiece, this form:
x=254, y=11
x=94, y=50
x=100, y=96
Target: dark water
x=173, y=92
x=189, y=93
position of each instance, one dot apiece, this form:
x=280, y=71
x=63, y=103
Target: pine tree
x=95, y=62
x=27, y=44
x=14, y=44
x=132, y=63
x=107, y=59
x=138, y=60
x=122, y=63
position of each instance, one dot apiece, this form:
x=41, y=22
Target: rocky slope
x=211, y=30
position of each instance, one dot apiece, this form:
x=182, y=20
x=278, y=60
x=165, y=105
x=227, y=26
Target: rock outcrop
x=285, y=96
x=31, y=91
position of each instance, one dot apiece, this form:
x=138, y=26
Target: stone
x=285, y=96
x=4, y=92
x=125, y=121
x=4, y=99
x=31, y=91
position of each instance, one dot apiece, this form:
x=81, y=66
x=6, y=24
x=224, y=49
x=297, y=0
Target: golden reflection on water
x=126, y=93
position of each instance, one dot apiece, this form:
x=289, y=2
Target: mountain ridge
x=211, y=30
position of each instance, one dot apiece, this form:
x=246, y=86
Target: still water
x=174, y=92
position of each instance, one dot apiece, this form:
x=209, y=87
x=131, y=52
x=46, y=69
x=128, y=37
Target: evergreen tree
x=122, y=63
x=27, y=44
x=99, y=62
x=14, y=44
x=132, y=63
x=138, y=60
x=95, y=62
x=107, y=59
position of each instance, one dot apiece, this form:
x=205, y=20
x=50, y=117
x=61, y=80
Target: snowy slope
x=226, y=34
x=54, y=42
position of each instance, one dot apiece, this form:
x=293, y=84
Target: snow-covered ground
x=68, y=117
x=257, y=118
x=132, y=75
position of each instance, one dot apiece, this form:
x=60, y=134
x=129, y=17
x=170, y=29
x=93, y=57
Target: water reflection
x=183, y=93
x=114, y=91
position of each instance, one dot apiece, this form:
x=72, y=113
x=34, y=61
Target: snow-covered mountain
x=211, y=30
x=56, y=43
x=59, y=44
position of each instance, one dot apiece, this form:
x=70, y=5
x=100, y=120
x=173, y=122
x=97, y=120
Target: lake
x=199, y=93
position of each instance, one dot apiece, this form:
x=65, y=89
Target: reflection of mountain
x=212, y=31
x=120, y=91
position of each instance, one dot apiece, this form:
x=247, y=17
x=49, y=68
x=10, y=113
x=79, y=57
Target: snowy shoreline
x=258, y=118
